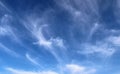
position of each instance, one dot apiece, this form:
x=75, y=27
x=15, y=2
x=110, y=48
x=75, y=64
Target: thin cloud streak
x=93, y=30
x=4, y=6
x=15, y=71
x=115, y=40
x=104, y=48
x=8, y=51
x=6, y=29
x=32, y=60
x=77, y=69
x=37, y=28
x=66, y=69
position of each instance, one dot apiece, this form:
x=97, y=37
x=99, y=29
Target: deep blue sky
x=59, y=36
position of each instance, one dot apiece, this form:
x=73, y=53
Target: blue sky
x=59, y=36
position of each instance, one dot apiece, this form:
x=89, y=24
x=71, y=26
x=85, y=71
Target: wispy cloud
x=4, y=7
x=67, y=69
x=3, y=31
x=79, y=8
x=93, y=30
x=15, y=71
x=86, y=24
x=47, y=43
x=115, y=40
x=50, y=44
x=37, y=28
x=41, y=38
x=32, y=60
x=9, y=51
x=77, y=69
x=103, y=49
x=6, y=29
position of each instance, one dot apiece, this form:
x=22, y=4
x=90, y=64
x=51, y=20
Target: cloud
x=37, y=27
x=40, y=31
x=41, y=39
x=9, y=51
x=93, y=30
x=47, y=43
x=79, y=8
x=67, y=69
x=3, y=31
x=32, y=60
x=115, y=40
x=84, y=15
x=102, y=49
x=15, y=71
x=3, y=6
x=6, y=29
x=77, y=69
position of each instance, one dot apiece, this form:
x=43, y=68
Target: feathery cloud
x=115, y=40
x=93, y=30
x=15, y=71
x=6, y=29
x=77, y=69
x=9, y=51
x=37, y=28
x=103, y=49
x=4, y=7
x=32, y=60
x=67, y=69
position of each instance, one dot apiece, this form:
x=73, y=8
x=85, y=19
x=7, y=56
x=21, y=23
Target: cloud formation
x=67, y=69
x=47, y=43
x=32, y=60
x=60, y=31
x=37, y=27
x=15, y=71
x=8, y=51
x=6, y=28
x=77, y=69
x=102, y=49
x=115, y=40
x=3, y=6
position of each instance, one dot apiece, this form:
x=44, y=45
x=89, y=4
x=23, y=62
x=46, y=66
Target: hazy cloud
x=15, y=71
x=9, y=51
x=115, y=40
x=32, y=60
x=77, y=69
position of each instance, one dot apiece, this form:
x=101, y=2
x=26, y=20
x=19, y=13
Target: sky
x=59, y=36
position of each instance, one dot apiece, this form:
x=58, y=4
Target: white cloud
x=15, y=71
x=3, y=6
x=47, y=43
x=32, y=60
x=3, y=31
x=41, y=39
x=58, y=42
x=74, y=68
x=79, y=8
x=7, y=50
x=115, y=40
x=93, y=30
x=6, y=29
x=40, y=31
x=67, y=69
x=77, y=69
x=50, y=44
x=101, y=49
x=37, y=27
